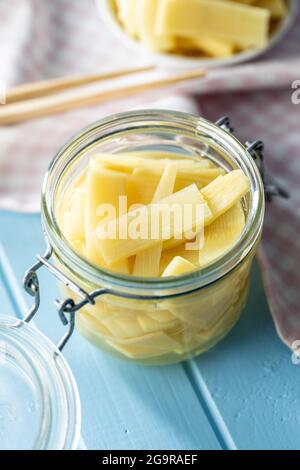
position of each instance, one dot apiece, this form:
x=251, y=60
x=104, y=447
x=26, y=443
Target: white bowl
x=105, y=7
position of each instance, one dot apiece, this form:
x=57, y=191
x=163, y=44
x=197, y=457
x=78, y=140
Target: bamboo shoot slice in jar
x=128, y=162
x=151, y=345
x=222, y=234
x=147, y=261
x=104, y=187
x=178, y=266
x=221, y=194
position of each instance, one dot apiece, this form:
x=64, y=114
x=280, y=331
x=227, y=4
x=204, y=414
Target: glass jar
x=39, y=401
x=154, y=320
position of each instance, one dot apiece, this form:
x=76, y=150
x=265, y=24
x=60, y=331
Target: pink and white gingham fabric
x=41, y=39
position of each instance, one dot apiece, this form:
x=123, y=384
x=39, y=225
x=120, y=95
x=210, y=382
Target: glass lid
x=39, y=400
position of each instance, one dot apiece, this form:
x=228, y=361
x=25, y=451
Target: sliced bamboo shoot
x=128, y=163
x=147, y=261
x=149, y=345
x=225, y=191
x=127, y=12
x=244, y=25
x=277, y=8
x=222, y=234
x=147, y=19
x=103, y=187
x=221, y=194
x=178, y=266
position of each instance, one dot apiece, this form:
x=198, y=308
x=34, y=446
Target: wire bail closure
x=67, y=308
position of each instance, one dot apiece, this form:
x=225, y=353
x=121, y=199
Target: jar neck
x=176, y=129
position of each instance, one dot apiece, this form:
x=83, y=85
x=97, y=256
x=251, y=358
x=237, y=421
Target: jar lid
x=39, y=400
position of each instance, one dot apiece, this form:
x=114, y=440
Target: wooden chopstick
x=46, y=87
x=24, y=110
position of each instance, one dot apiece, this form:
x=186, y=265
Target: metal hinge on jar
x=67, y=308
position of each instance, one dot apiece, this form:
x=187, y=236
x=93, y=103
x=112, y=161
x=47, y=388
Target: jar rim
x=156, y=286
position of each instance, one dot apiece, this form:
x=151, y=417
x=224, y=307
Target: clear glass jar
x=155, y=320
x=39, y=401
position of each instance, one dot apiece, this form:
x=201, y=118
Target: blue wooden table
x=243, y=394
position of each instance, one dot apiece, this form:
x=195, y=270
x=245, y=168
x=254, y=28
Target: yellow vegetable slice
x=164, y=155
x=127, y=13
x=103, y=187
x=87, y=323
x=147, y=19
x=223, y=192
x=139, y=189
x=153, y=344
x=170, y=210
x=151, y=325
x=193, y=172
x=222, y=234
x=145, y=345
x=128, y=163
x=143, y=180
x=189, y=255
x=147, y=261
x=209, y=45
x=162, y=316
x=215, y=47
x=201, y=312
x=244, y=25
x=178, y=266
x=248, y=2
x=277, y=8
x=123, y=326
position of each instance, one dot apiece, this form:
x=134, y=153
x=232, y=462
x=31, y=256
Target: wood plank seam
x=209, y=406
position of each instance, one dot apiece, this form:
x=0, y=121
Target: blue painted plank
x=124, y=406
x=10, y=292
x=252, y=380
x=6, y=307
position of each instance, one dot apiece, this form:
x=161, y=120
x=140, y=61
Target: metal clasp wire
x=67, y=308
x=256, y=149
x=272, y=187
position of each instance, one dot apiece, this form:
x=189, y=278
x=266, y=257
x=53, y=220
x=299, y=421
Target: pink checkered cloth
x=41, y=39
